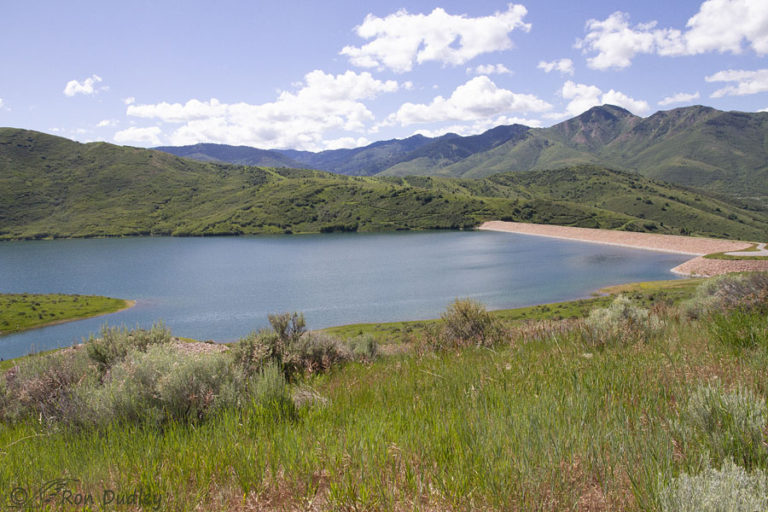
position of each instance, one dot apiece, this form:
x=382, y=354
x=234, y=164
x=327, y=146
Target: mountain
x=54, y=187
x=724, y=152
x=242, y=155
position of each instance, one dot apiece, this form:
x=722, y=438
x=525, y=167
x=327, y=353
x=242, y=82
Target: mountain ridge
x=53, y=187
x=697, y=146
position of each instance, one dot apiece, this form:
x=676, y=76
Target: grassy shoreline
x=24, y=311
x=388, y=333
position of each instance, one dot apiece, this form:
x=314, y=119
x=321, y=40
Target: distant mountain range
x=723, y=152
x=54, y=187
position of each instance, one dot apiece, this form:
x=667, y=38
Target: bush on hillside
x=160, y=385
x=725, y=424
x=139, y=377
x=289, y=346
x=729, y=488
x=114, y=343
x=747, y=291
x=466, y=323
x=43, y=387
x=621, y=323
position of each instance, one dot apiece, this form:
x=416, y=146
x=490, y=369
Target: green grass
x=725, y=256
x=541, y=425
x=645, y=293
x=21, y=311
x=544, y=423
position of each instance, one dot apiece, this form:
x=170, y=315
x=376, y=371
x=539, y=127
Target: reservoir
x=223, y=288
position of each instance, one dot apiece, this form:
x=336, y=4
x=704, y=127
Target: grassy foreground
x=21, y=311
x=628, y=409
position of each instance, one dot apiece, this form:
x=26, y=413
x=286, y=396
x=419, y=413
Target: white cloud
x=478, y=126
x=583, y=97
x=720, y=25
x=723, y=26
x=298, y=119
x=129, y=100
x=622, y=100
x=1, y=103
x=346, y=143
x=147, y=136
x=479, y=98
x=564, y=66
x=402, y=39
x=87, y=86
x=107, y=122
x=489, y=69
x=746, y=82
x=680, y=97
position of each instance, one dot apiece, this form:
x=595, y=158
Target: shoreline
x=128, y=305
x=698, y=266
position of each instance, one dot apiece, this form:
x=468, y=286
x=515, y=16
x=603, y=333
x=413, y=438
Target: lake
x=223, y=288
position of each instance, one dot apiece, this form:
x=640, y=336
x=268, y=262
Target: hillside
x=54, y=187
x=724, y=152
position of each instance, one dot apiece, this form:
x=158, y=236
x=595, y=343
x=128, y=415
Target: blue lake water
x=223, y=288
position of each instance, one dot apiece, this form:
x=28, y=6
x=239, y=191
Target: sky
x=324, y=75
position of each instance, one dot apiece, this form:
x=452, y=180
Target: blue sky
x=318, y=75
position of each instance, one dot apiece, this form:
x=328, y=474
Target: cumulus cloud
x=295, y=119
x=129, y=100
x=489, y=69
x=745, y=82
x=479, y=98
x=346, y=143
x=150, y=136
x=1, y=103
x=400, y=40
x=477, y=127
x=583, y=97
x=87, y=86
x=720, y=25
x=680, y=97
x=107, y=122
x=564, y=66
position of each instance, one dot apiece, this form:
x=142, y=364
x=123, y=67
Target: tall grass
x=534, y=425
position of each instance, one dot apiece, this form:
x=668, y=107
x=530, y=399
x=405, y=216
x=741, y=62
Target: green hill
x=54, y=187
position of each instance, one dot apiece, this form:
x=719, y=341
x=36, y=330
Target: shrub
x=288, y=327
x=115, y=343
x=621, y=323
x=363, y=347
x=315, y=352
x=728, y=425
x=465, y=323
x=269, y=388
x=730, y=489
x=747, y=291
x=253, y=352
x=160, y=385
x=43, y=387
x=289, y=346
